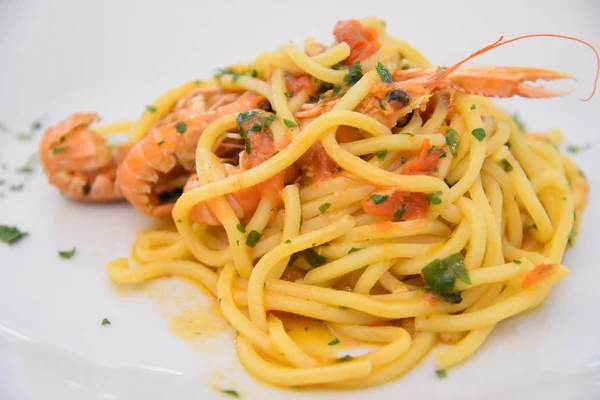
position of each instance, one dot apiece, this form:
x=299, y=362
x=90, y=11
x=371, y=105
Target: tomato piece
x=425, y=163
x=535, y=275
x=263, y=148
x=362, y=40
x=297, y=84
x=317, y=163
x=399, y=204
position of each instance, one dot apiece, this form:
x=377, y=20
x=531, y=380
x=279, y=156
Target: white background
x=113, y=57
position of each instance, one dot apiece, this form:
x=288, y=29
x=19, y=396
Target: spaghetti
x=439, y=218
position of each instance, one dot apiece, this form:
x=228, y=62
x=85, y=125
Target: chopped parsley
x=35, y=126
x=440, y=275
x=59, y=149
x=452, y=139
x=289, y=94
x=151, y=109
x=314, y=259
x=381, y=155
x=381, y=105
x=67, y=254
x=473, y=107
x=434, y=198
x=336, y=90
x=161, y=143
x=517, y=262
x=518, y=121
x=399, y=214
x=235, y=77
x=378, y=199
x=288, y=123
x=354, y=250
x=241, y=228
x=11, y=234
x=479, y=134
x=253, y=238
x=441, y=373
x=105, y=322
x=384, y=73
x=506, y=165
x=181, y=127
x=354, y=73
x=230, y=392
x=255, y=127
x=574, y=149
x=288, y=241
x=324, y=207
x=346, y=358
x=267, y=121
x=334, y=342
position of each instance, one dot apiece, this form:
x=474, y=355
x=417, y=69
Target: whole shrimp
x=167, y=153
x=79, y=161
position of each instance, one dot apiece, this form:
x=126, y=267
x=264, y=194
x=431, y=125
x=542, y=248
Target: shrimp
x=243, y=203
x=259, y=146
x=167, y=153
x=79, y=162
x=362, y=40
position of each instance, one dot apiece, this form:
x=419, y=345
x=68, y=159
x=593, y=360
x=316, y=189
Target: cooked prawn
x=167, y=152
x=79, y=161
x=243, y=202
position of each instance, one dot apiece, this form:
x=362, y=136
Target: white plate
x=116, y=56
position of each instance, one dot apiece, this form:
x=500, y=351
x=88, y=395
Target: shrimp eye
x=398, y=95
x=265, y=105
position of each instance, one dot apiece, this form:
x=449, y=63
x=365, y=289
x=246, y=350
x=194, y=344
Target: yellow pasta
x=423, y=214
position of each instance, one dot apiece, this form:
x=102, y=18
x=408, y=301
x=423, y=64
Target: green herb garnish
x=506, y=165
x=399, y=214
x=354, y=250
x=289, y=123
x=230, y=392
x=381, y=155
x=574, y=149
x=324, y=207
x=66, y=254
x=479, y=134
x=161, y=143
x=440, y=275
x=151, y=109
x=289, y=94
x=241, y=228
x=334, y=342
x=354, y=73
x=11, y=234
x=517, y=261
x=441, y=373
x=314, y=259
x=434, y=198
x=267, y=121
x=452, y=140
x=346, y=358
x=378, y=199
x=59, y=149
x=288, y=241
x=253, y=238
x=384, y=73
x=473, y=107
x=181, y=127
x=105, y=322
x=336, y=90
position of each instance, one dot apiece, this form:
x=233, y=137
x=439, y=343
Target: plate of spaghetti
x=349, y=211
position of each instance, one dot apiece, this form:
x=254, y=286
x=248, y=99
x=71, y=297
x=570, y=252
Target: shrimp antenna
x=501, y=42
